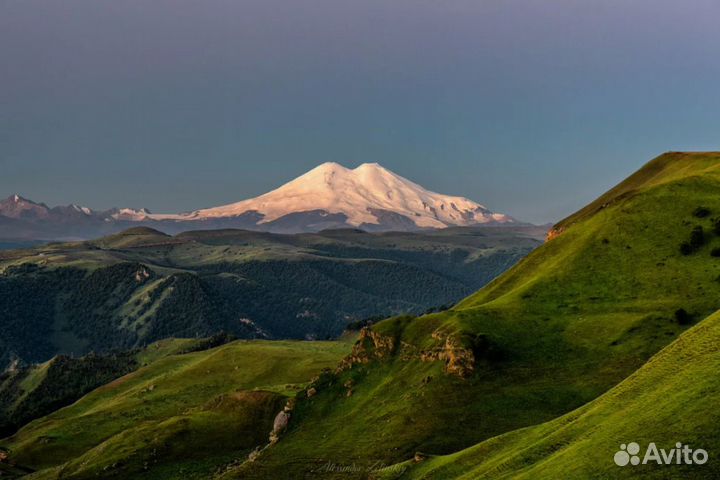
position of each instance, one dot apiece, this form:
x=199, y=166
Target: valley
x=130, y=289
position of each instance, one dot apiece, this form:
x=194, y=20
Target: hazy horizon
x=532, y=109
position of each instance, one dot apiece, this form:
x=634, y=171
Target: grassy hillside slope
x=673, y=398
x=180, y=417
x=130, y=289
x=566, y=324
x=31, y=391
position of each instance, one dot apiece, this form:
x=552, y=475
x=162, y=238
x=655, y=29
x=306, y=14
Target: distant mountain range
x=368, y=197
x=24, y=219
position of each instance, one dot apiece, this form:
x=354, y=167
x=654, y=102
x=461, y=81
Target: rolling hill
x=569, y=322
x=182, y=416
x=129, y=289
x=672, y=398
x=31, y=391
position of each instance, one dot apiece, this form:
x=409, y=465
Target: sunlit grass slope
x=673, y=398
x=569, y=322
x=32, y=391
x=182, y=416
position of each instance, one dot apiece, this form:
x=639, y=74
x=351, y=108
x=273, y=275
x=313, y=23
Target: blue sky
x=530, y=107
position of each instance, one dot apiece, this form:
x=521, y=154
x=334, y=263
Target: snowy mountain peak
x=328, y=166
x=15, y=206
x=368, y=196
x=371, y=166
x=81, y=209
x=15, y=198
x=131, y=214
x=329, y=196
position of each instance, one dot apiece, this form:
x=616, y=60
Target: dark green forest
x=131, y=289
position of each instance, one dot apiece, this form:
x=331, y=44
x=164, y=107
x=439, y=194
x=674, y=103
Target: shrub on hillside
x=358, y=325
x=439, y=308
x=682, y=317
x=216, y=340
x=697, y=240
x=701, y=212
x=715, y=252
x=484, y=348
x=697, y=237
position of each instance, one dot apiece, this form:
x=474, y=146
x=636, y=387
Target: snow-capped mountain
x=16, y=206
x=369, y=197
x=130, y=214
x=21, y=218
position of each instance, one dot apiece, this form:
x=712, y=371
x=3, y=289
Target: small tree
x=685, y=248
x=682, y=317
x=697, y=237
x=701, y=212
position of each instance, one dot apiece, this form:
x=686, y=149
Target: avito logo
x=680, y=455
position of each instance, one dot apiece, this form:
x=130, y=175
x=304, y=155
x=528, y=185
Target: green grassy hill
x=182, y=416
x=569, y=322
x=31, y=391
x=130, y=289
x=673, y=398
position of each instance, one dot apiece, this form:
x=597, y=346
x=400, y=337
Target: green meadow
x=181, y=416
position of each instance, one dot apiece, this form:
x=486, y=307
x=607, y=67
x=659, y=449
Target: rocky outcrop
x=369, y=346
x=141, y=274
x=419, y=457
x=459, y=356
x=280, y=424
x=349, y=386
x=554, y=233
x=282, y=420
x=459, y=359
x=255, y=454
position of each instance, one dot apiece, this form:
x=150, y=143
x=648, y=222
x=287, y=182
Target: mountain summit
x=329, y=196
x=369, y=197
x=16, y=206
